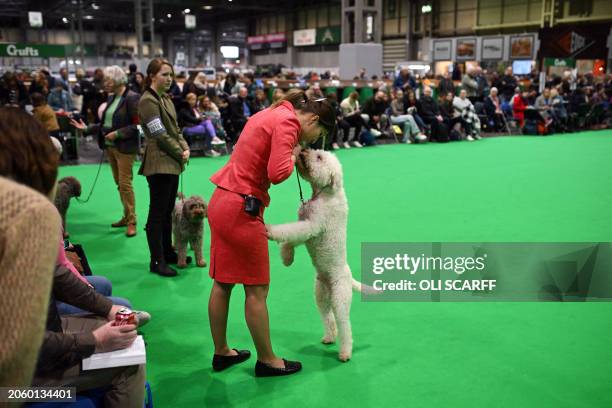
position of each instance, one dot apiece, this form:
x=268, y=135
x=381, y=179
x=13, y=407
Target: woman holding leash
x=164, y=160
x=265, y=154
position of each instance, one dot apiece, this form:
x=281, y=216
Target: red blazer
x=262, y=154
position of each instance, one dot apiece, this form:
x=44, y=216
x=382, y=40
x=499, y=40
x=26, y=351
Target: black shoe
x=220, y=363
x=173, y=258
x=162, y=269
x=265, y=370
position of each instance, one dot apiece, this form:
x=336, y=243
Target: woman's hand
x=79, y=125
x=186, y=155
x=268, y=233
x=295, y=153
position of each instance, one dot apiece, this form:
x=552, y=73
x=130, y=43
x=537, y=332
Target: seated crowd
x=408, y=109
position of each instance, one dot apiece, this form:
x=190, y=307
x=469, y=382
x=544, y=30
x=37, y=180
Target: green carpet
x=406, y=354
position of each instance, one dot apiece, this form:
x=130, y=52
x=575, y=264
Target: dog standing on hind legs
x=322, y=227
x=188, y=228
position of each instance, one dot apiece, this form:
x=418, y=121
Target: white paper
x=134, y=355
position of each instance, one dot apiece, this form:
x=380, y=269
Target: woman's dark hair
x=320, y=107
x=26, y=152
x=154, y=67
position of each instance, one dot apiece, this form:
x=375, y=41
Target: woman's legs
x=256, y=314
x=218, y=307
x=162, y=195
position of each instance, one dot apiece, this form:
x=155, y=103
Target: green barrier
x=347, y=91
x=365, y=94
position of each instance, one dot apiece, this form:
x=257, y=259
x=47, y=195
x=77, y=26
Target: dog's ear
x=186, y=211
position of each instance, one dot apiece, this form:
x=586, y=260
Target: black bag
x=439, y=132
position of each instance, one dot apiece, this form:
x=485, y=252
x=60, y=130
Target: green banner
x=329, y=35
x=559, y=62
x=44, y=50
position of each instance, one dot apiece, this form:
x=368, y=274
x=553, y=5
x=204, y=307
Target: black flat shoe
x=162, y=269
x=173, y=258
x=265, y=370
x=220, y=363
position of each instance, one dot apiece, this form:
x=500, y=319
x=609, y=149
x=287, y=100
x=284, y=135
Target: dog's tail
x=360, y=287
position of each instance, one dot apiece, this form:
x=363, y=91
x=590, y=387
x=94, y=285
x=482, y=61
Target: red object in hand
x=124, y=317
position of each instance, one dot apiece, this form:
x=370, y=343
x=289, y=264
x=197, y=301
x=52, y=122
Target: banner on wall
x=575, y=41
x=258, y=42
x=43, y=50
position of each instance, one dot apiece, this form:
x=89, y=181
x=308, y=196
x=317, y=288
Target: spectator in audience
x=446, y=84
x=12, y=91
x=410, y=103
x=137, y=83
x=241, y=109
x=519, y=104
x=507, y=85
x=492, y=107
x=164, y=160
x=375, y=108
x=543, y=104
x=315, y=92
x=469, y=84
x=429, y=111
x=85, y=88
x=30, y=224
x=559, y=108
x=249, y=84
x=404, y=80
x=99, y=95
x=483, y=84
x=211, y=112
x=131, y=76
x=465, y=109
x=351, y=113
x=278, y=95
x=454, y=122
x=64, y=79
x=261, y=100
x=400, y=117
x=44, y=114
x=196, y=125
x=347, y=117
x=39, y=84
x=59, y=99
x=118, y=134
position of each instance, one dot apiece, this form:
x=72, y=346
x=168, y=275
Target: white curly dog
x=322, y=227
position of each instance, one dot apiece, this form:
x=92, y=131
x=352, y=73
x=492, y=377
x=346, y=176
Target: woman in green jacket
x=164, y=160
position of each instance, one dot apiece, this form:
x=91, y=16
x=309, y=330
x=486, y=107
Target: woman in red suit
x=265, y=154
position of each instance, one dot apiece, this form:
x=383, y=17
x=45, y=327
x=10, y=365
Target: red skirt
x=238, y=241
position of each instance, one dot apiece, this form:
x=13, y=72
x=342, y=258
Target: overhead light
x=426, y=8
x=64, y=20
x=207, y=7
x=187, y=11
x=94, y=6
x=169, y=15
x=88, y=17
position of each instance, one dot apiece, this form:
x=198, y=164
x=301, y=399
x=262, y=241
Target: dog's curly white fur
x=322, y=227
x=188, y=228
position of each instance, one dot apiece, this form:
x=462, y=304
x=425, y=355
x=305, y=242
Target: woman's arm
x=284, y=139
x=149, y=113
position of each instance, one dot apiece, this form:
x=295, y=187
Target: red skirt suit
x=238, y=242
